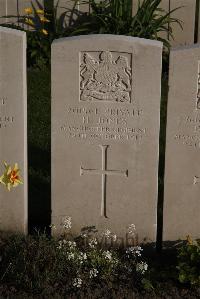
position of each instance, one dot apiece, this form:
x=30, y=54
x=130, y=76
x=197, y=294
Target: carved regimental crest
x=106, y=78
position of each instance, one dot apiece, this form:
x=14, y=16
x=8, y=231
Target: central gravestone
x=105, y=133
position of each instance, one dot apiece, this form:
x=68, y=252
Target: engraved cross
x=196, y=180
x=104, y=172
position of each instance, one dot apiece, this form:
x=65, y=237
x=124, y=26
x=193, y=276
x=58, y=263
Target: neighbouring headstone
x=198, y=33
x=13, y=126
x=70, y=10
x=14, y=9
x=182, y=166
x=186, y=14
x=2, y=11
x=105, y=133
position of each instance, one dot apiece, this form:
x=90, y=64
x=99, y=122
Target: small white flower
x=71, y=244
x=131, y=229
x=141, y=267
x=77, y=282
x=93, y=273
x=60, y=244
x=52, y=226
x=134, y=251
x=114, y=238
x=93, y=243
x=108, y=255
x=82, y=257
x=107, y=233
x=67, y=222
x=84, y=235
x=63, y=243
x=70, y=256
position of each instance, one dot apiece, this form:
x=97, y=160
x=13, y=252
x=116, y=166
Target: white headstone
x=2, y=11
x=13, y=126
x=186, y=14
x=69, y=11
x=105, y=133
x=182, y=166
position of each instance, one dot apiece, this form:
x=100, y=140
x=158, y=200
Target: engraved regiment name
x=103, y=124
x=188, y=133
x=5, y=119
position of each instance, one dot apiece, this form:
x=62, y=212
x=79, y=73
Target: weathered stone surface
x=198, y=37
x=15, y=8
x=186, y=13
x=13, y=126
x=182, y=187
x=105, y=131
x=2, y=11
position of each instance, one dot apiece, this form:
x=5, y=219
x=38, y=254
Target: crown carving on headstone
x=106, y=79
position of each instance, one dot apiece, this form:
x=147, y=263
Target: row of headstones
x=14, y=9
x=105, y=134
x=185, y=13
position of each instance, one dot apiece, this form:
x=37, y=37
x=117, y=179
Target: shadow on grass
x=39, y=190
x=39, y=149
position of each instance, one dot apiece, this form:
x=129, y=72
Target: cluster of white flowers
x=61, y=244
x=71, y=244
x=136, y=250
x=70, y=256
x=64, y=243
x=77, y=282
x=142, y=267
x=93, y=242
x=67, y=222
x=109, y=235
x=82, y=257
x=108, y=255
x=52, y=226
x=93, y=273
x=131, y=229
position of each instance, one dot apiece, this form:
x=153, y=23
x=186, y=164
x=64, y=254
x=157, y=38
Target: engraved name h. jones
x=106, y=78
